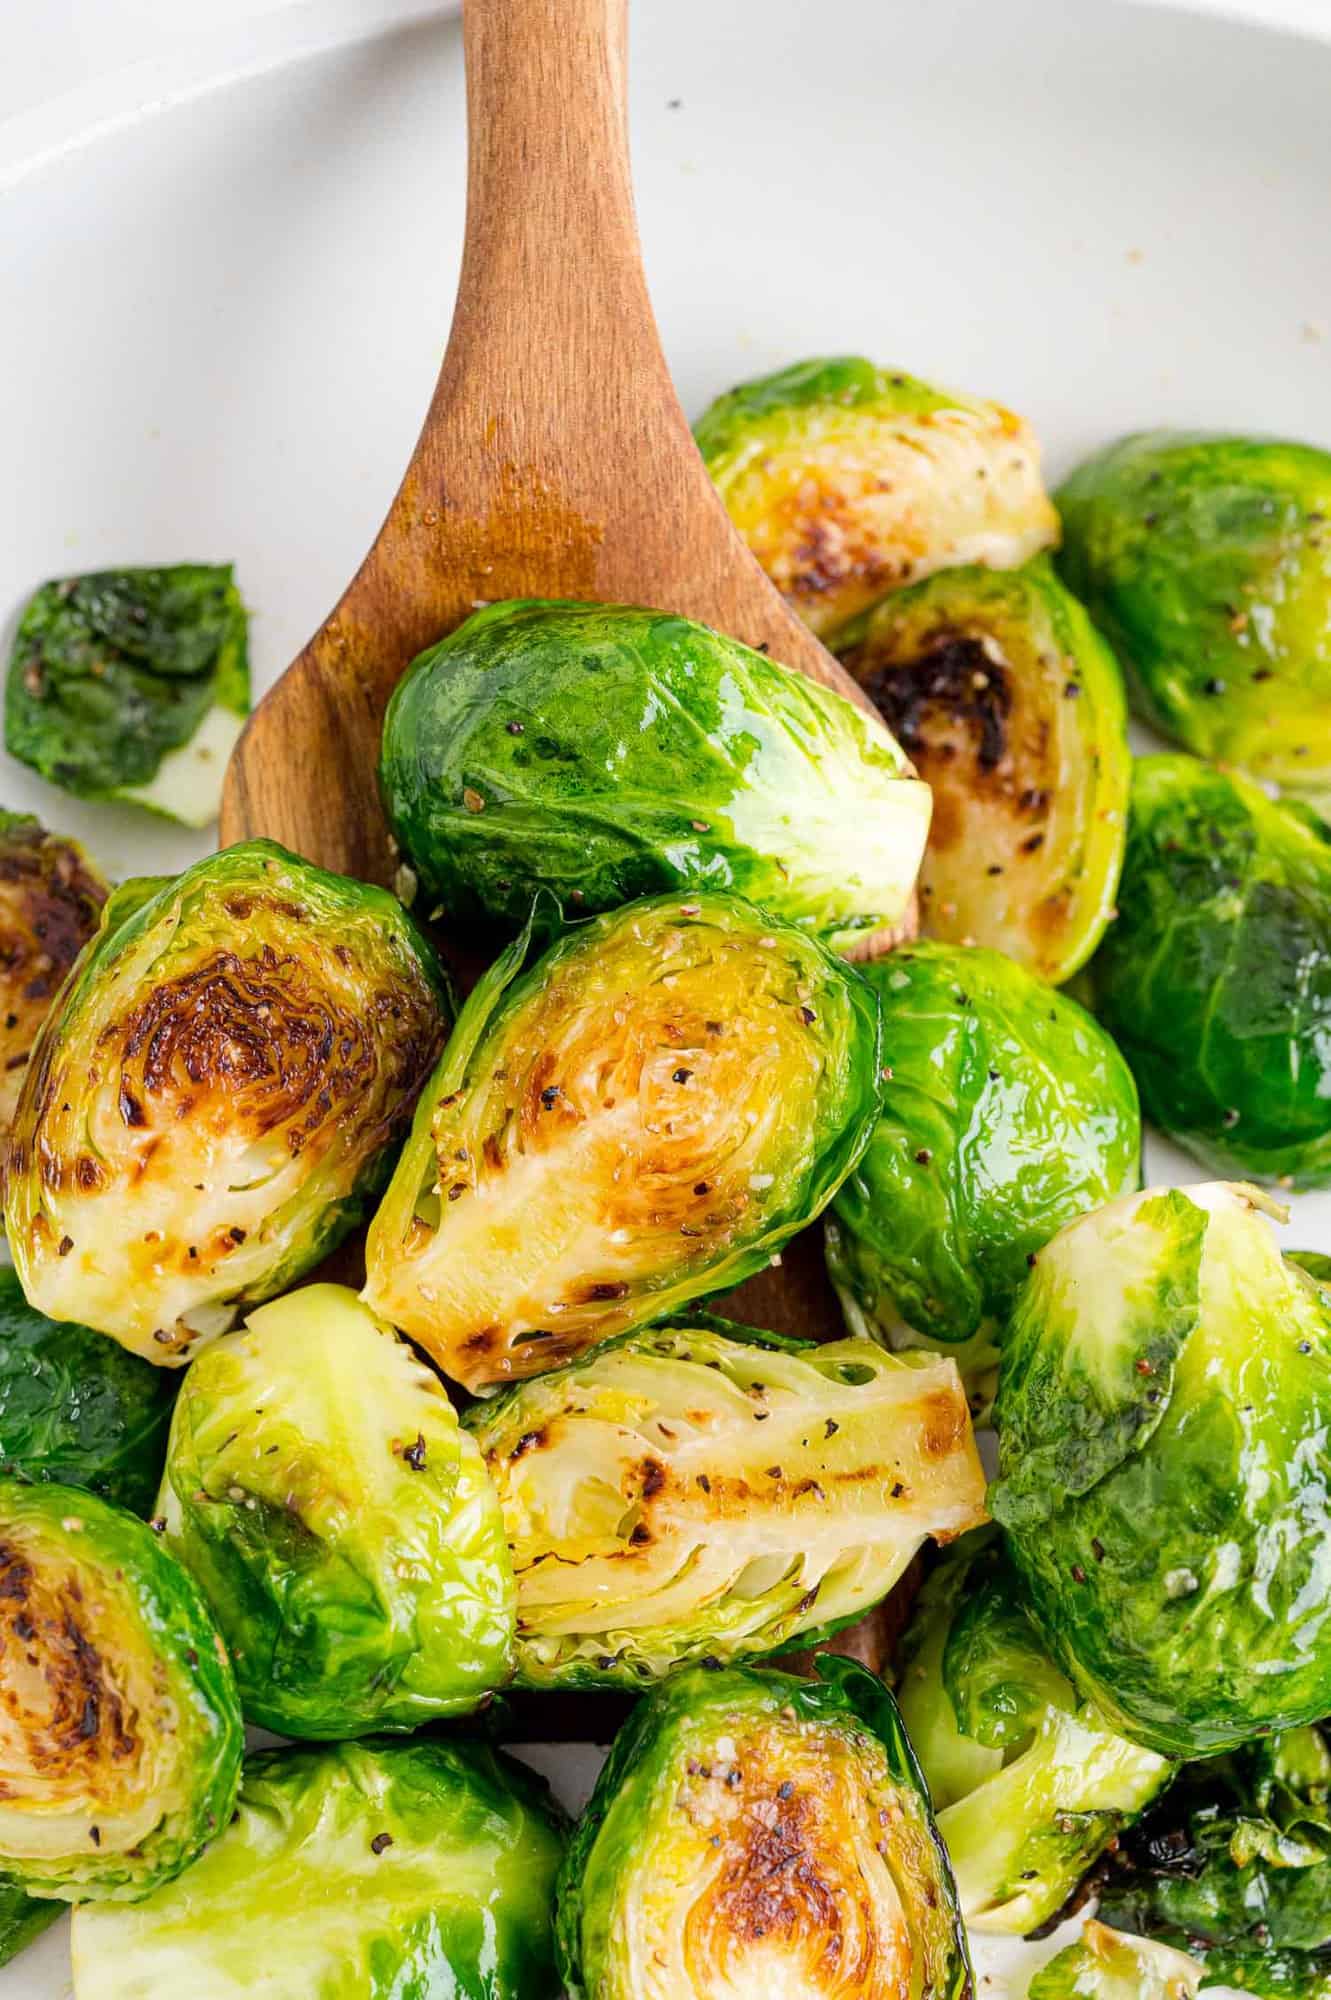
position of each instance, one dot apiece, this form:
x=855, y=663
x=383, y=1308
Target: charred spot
x=955, y=676
x=597, y=1294
x=88, y=1174
x=131, y=1110
x=653, y=1478
x=529, y=1441
x=944, y=1423
x=483, y=1339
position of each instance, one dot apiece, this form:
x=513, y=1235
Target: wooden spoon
x=555, y=461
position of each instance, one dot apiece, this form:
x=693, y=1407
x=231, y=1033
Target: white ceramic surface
x=228, y=274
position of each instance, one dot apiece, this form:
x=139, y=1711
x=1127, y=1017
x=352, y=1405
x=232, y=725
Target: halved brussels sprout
x=1011, y=704
x=703, y=1491
x=605, y=753
x=23, y=1918
x=356, y=1871
x=122, y=1730
x=215, y=1100
x=340, y=1524
x=1029, y=1783
x=76, y=1408
x=133, y=684
x=646, y=1115
x=847, y=480
x=1207, y=560
x=1235, y=1863
x=1007, y=1112
x=757, y=1833
x=50, y=901
x=1105, y=1965
x=1164, y=1400
x=1215, y=981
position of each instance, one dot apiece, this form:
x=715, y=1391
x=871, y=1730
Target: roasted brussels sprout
x=122, y=1727
x=1164, y=1399
x=1235, y=1863
x=1008, y=1111
x=341, y=1526
x=50, y=900
x=133, y=684
x=76, y=1408
x=702, y=1491
x=607, y=753
x=1207, y=560
x=1216, y=979
x=1010, y=702
x=1105, y=1965
x=214, y=1102
x=646, y=1115
x=757, y=1833
x=23, y=1918
x=361, y=1871
x=847, y=480
x=1029, y=1783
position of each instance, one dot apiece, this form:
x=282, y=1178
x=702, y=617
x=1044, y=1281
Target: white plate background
x=227, y=278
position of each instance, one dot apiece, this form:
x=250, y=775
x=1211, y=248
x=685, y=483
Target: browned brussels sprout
x=50, y=900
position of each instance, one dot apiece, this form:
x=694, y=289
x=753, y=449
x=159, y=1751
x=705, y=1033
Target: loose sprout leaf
x=1008, y=1111
x=1030, y=1784
x=132, y=684
x=607, y=752
x=847, y=480
x=23, y=1918
x=753, y=1832
x=76, y=1408
x=697, y=1491
x=1174, y=1551
x=1102, y=1965
x=1216, y=979
x=51, y=897
x=123, y=1731
x=341, y=1525
x=214, y=1102
x=1011, y=705
x=355, y=1871
x=1207, y=561
x=644, y=1116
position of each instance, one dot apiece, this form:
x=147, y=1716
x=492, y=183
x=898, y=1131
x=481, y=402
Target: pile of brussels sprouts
x=361, y=1364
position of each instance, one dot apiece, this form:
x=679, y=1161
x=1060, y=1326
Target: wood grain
x=554, y=461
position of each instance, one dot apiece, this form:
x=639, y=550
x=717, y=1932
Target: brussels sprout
x=1163, y=1403
x=133, y=684
x=76, y=1408
x=50, y=898
x=1208, y=562
x=1008, y=1112
x=757, y=1833
x=702, y=1491
x=847, y=480
x=122, y=1728
x=1011, y=704
x=646, y=1115
x=1235, y=1862
x=215, y=1100
x=23, y=1918
x=607, y=753
x=361, y=1871
x=1104, y=1965
x=340, y=1524
x=1216, y=979
x=1029, y=1784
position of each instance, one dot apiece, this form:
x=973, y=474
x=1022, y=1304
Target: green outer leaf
x=1102, y=1966
x=113, y=671
x=848, y=379
x=1206, y=559
x=607, y=753
x=23, y=1918
x=1007, y=1113
x=76, y=1408
x=635, y=1794
x=1069, y=1411
x=293, y=1895
x=1175, y=1555
x=357, y=1588
x=193, y=1771
x=1216, y=979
